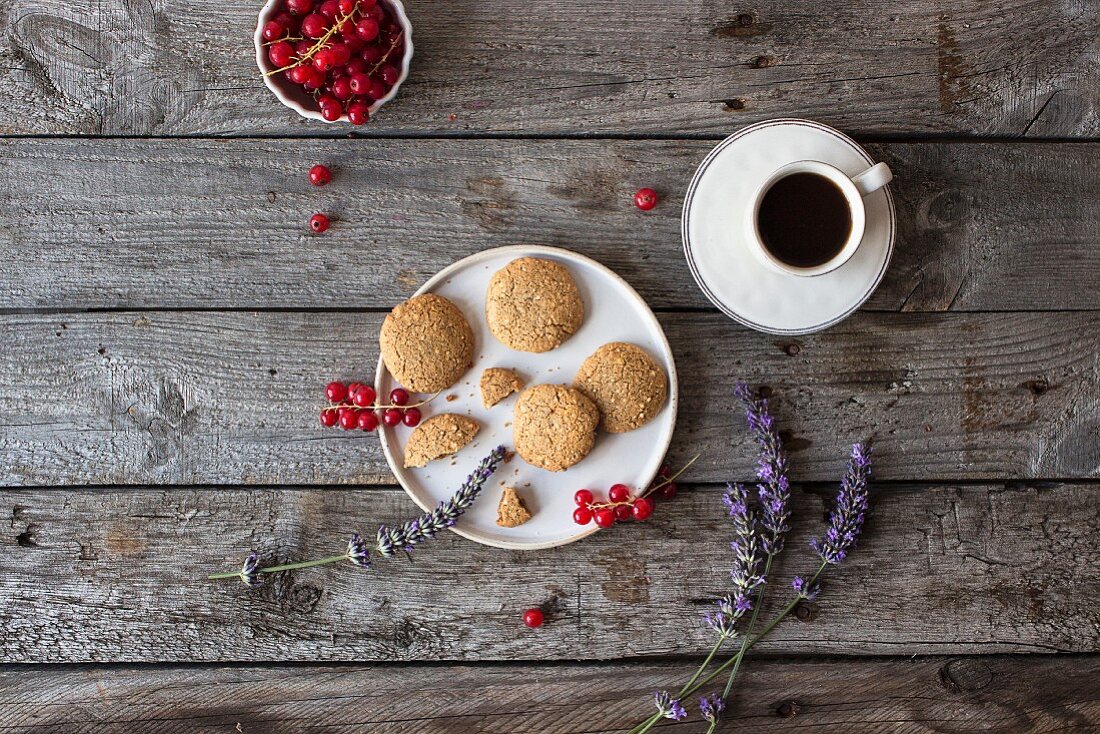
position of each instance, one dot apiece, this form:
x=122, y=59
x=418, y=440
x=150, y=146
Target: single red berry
x=360, y=83
x=347, y=7
x=376, y=13
x=377, y=89
x=315, y=79
x=668, y=491
x=280, y=54
x=605, y=517
x=341, y=411
x=356, y=66
x=314, y=25
x=301, y=48
x=365, y=5
x=583, y=497
x=329, y=8
x=341, y=89
x=341, y=54
x=533, y=618
x=643, y=508
x=411, y=417
x=372, y=55
x=391, y=416
x=367, y=420
x=645, y=199
x=582, y=515
x=273, y=30
x=329, y=418
x=324, y=60
x=665, y=470
x=363, y=397
x=618, y=493
x=320, y=175
x=299, y=74
x=336, y=391
x=390, y=74
x=367, y=29
x=353, y=387
x=332, y=112
x=349, y=420
x=623, y=512
x=399, y=397
x=318, y=223
x=358, y=113
x=299, y=7
x=286, y=20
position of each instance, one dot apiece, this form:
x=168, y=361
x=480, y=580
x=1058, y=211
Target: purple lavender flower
x=358, y=552
x=711, y=707
x=746, y=565
x=250, y=571
x=669, y=707
x=804, y=589
x=407, y=535
x=847, y=516
x=771, y=469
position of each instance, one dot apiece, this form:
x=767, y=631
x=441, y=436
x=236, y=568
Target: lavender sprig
x=669, y=707
x=389, y=540
x=773, y=488
x=711, y=707
x=847, y=516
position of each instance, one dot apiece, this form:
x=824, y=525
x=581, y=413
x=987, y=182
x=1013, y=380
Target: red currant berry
x=301, y=48
x=377, y=90
x=356, y=66
x=391, y=417
x=605, y=517
x=319, y=175
x=668, y=491
x=645, y=199
x=340, y=411
x=347, y=7
x=299, y=74
x=315, y=79
x=329, y=8
x=583, y=497
x=324, y=60
x=329, y=418
x=341, y=89
x=376, y=13
x=332, y=111
x=390, y=74
x=367, y=420
x=411, y=417
x=372, y=55
x=582, y=515
x=365, y=5
x=280, y=54
x=314, y=25
x=399, y=397
x=362, y=398
x=623, y=512
x=353, y=387
x=341, y=54
x=336, y=391
x=618, y=493
x=360, y=83
x=533, y=618
x=643, y=508
x=318, y=223
x=349, y=420
x=299, y=7
x=367, y=29
x=273, y=30
x=286, y=20
x=665, y=470
x=358, y=113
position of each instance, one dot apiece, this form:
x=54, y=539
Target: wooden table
x=168, y=324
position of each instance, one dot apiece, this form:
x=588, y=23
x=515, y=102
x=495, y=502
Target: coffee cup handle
x=873, y=179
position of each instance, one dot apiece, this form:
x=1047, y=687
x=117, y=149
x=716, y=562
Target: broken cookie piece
x=511, y=512
x=439, y=436
x=498, y=383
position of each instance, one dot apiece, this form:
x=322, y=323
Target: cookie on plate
x=498, y=383
x=439, y=436
x=427, y=343
x=512, y=512
x=627, y=385
x=533, y=305
x=554, y=426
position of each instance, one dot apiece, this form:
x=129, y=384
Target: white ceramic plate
x=732, y=276
x=613, y=312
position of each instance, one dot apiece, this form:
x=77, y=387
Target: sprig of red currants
x=338, y=51
x=622, y=504
x=356, y=406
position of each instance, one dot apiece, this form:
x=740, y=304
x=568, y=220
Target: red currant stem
x=322, y=42
x=380, y=406
x=671, y=479
x=386, y=56
x=284, y=567
x=284, y=38
x=598, y=505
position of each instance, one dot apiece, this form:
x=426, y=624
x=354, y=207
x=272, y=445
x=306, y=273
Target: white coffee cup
x=854, y=188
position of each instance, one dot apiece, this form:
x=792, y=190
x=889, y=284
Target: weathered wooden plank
x=170, y=67
x=215, y=224
x=227, y=398
x=119, y=575
x=997, y=693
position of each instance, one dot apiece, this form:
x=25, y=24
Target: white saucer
x=613, y=312
x=732, y=276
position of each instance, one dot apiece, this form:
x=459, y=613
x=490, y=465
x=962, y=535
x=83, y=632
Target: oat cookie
x=439, y=436
x=554, y=426
x=512, y=512
x=498, y=383
x=627, y=385
x=427, y=343
x=533, y=305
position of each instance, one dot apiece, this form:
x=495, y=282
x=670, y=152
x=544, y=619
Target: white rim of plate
x=647, y=312
x=690, y=255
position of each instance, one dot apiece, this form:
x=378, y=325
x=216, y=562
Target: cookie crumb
x=439, y=436
x=512, y=512
x=498, y=383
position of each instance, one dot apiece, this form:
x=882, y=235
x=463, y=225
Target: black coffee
x=804, y=220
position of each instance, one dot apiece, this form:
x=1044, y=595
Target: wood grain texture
x=217, y=224
x=169, y=67
x=233, y=398
x=119, y=575
x=990, y=694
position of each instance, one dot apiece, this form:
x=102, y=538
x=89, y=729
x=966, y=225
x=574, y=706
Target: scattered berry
x=349, y=420
x=645, y=199
x=367, y=420
x=605, y=517
x=336, y=391
x=320, y=175
x=318, y=223
x=668, y=491
x=618, y=493
x=411, y=417
x=329, y=418
x=582, y=515
x=391, y=417
x=643, y=508
x=399, y=397
x=533, y=618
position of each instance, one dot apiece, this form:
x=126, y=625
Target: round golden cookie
x=427, y=344
x=627, y=385
x=554, y=426
x=533, y=305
